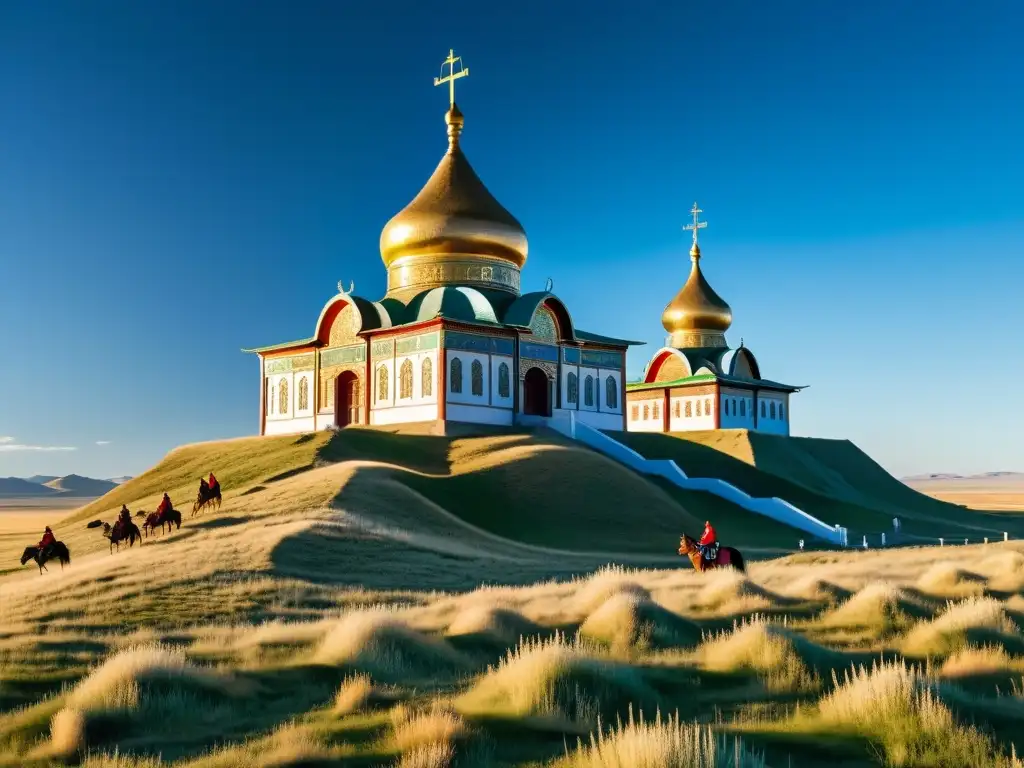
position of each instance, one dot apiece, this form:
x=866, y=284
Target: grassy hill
x=374, y=598
x=830, y=479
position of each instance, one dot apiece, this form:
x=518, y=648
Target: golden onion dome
x=454, y=215
x=697, y=316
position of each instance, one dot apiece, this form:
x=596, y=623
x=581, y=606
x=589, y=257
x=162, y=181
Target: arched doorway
x=536, y=393
x=346, y=399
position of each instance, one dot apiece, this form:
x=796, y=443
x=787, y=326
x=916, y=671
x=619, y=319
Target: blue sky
x=182, y=179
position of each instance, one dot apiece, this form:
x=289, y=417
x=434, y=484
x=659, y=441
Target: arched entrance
x=536, y=393
x=346, y=399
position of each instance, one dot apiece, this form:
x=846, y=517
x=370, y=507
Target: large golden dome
x=453, y=231
x=697, y=316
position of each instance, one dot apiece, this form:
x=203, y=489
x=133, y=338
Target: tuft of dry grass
x=661, y=743
x=957, y=626
x=353, y=695
x=949, y=580
x=758, y=645
x=438, y=725
x=974, y=661
x=67, y=732
x=436, y=755
x=878, y=607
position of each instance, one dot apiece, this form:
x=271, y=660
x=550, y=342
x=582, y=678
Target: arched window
x=743, y=407
x=687, y=409
x=634, y=412
x=282, y=396
x=303, y=393
x=764, y=413
x=707, y=406
x=647, y=412
x=611, y=392
x=677, y=409
x=588, y=392
x=456, y=376
x=504, y=381
x=656, y=411
x=782, y=412
x=427, y=378
x=405, y=380
x=771, y=409
x=270, y=400
x=382, y=383
x=477, y=378
x=572, y=387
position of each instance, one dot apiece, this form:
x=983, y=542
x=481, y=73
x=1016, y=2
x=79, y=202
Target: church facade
x=696, y=382
x=453, y=339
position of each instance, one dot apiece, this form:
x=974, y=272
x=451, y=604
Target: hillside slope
x=15, y=487
x=830, y=479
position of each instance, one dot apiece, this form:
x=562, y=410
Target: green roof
x=596, y=338
x=704, y=378
x=453, y=303
x=282, y=345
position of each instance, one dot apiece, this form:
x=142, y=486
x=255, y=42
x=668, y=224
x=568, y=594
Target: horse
x=206, y=499
x=727, y=556
x=120, y=532
x=156, y=519
x=57, y=549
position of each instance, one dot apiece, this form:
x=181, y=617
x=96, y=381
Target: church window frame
x=282, y=396
x=688, y=409
x=588, y=391
x=764, y=410
x=771, y=409
x=634, y=413
x=455, y=376
x=504, y=381
x=304, y=393
x=677, y=409
x=611, y=392
x=647, y=411
x=405, y=380
x=656, y=410
x=572, y=388
x=476, y=378
x=271, y=398
x=782, y=412
x=382, y=383
x=743, y=407
x=707, y=406
x=426, y=377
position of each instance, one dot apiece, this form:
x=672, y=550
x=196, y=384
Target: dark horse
x=56, y=550
x=156, y=520
x=206, y=497
x=128, y=531
x=727, y=556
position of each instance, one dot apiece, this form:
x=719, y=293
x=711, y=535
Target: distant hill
x=949, y=476
x=16, y=487
x=41, y=479
x=120, y=480
x=76, y=485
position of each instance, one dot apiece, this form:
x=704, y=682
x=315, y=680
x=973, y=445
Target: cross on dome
x=697, y=224
x=452, y=75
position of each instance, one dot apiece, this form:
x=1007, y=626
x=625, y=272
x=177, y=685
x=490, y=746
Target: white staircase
x=774, y=508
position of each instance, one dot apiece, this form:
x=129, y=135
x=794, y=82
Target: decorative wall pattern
x=471, y=342
x=673, y=368
x=427, y=378
x=409, y=345
x=538, y=351
x=383, y=348
x=407, y=276
x=285, y=364
x=571, y=355
x=405, y=380
x=602, y=359
x=550, y=369
x=345, y=328
x=343, y=355
x=544, y=325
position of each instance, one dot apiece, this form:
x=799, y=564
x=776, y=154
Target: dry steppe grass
x=342, y=610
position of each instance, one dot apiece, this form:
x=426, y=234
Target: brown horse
x=207, y=499
x=728, y=557
x=56, y=550
x=121, y=532
x=156, y=520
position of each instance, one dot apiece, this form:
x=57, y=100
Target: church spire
x=697, y=316
x=453, y=117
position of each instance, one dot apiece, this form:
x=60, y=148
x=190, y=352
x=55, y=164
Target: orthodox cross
x=452, y=75
x=696, y=224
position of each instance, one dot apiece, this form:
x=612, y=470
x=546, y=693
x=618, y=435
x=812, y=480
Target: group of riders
x=208, y=489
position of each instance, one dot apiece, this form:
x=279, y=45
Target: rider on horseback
x=708, y=544
x=165, y=506
x=204, y=489
x=124, y=517
x=214, y=485
x=47, y=541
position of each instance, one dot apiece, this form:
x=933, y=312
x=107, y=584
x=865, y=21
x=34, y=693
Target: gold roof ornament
x=454, y=232
x=697, y=316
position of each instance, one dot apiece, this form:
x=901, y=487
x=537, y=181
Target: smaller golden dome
x=695, y=309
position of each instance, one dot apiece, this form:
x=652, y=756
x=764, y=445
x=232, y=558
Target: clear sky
x=179, y=180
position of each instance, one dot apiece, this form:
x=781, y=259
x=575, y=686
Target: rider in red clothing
x=214, y=485
x=709, y=543
x=165, y=505
x=47, y=540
